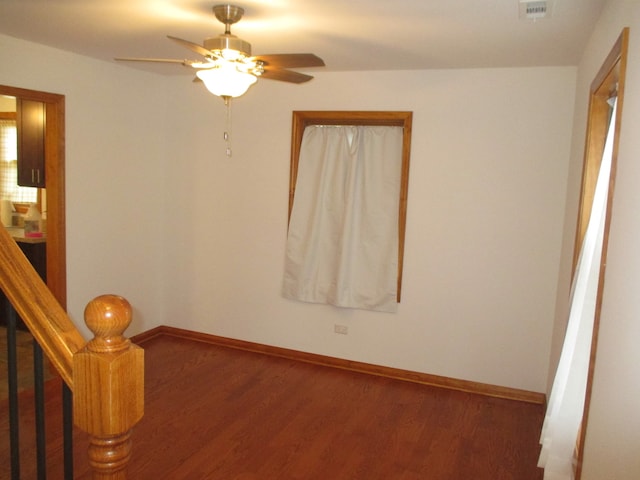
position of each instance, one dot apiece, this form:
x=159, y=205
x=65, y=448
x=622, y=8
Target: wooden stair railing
x=106, y=375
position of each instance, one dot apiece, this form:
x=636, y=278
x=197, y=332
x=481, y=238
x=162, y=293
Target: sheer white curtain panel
x=566, y=402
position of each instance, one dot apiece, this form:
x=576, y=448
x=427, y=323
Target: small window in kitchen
x=9, y=188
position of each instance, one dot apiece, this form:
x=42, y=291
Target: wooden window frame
x=302, y=119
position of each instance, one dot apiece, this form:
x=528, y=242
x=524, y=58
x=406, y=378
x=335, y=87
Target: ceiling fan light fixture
x=228, y=42
x=231, y=55
x=225, y=80
x=227, y=67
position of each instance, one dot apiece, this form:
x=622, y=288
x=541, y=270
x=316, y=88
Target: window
x=9, y=188
x=351, y=170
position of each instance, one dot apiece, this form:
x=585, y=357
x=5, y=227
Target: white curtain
x=342, y=244
x=566, y=402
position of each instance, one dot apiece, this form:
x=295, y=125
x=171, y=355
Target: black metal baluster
x=12, y=358
x=10, y=317
x=38, y=377
x=67, y=430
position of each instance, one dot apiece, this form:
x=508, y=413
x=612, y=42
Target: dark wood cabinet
x=30, y=123
x=36, y=253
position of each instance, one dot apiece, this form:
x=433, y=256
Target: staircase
x=104, y=377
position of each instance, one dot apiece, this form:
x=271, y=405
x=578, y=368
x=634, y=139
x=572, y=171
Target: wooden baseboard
x=399, y=374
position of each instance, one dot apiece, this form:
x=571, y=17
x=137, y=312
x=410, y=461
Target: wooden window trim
x=302, y=119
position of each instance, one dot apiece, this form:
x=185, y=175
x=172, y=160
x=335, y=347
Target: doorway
x=607, y=86
x=55, y=185
x=566, y=420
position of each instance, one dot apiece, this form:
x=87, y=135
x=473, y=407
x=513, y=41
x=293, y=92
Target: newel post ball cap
x=108, y=316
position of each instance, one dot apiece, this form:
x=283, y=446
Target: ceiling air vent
x=535, y=9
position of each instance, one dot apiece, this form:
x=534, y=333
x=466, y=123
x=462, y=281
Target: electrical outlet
x=341, y=329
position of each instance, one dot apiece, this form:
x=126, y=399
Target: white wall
x=157, y=213
x=115, y=143
x=486, y=203
x=613, y=432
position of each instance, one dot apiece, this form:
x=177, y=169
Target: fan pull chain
x=227, y=132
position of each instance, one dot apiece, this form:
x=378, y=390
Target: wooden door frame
x=55, y=179
x=609, y=80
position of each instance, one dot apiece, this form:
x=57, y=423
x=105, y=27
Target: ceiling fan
x=227, y=67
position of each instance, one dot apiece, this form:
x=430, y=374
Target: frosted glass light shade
x=226, y=80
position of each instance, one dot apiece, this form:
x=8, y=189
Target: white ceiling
x=347, y=34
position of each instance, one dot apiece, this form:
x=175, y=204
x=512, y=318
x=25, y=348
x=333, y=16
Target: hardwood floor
x=24, y=351
x=220, y=413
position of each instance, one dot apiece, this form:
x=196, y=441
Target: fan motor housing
x=230, y=42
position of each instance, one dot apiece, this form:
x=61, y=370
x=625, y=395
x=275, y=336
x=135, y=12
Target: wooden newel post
x=108, y=387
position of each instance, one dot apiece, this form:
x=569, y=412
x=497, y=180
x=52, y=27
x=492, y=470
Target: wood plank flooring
x=221, y=413
x=24, y=351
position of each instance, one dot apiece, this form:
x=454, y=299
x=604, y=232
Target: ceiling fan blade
x=194, y=47
x=291, y=60
x=186, y=63
x=285, y=75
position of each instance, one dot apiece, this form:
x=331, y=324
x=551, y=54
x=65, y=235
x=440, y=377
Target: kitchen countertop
x=18, y=236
